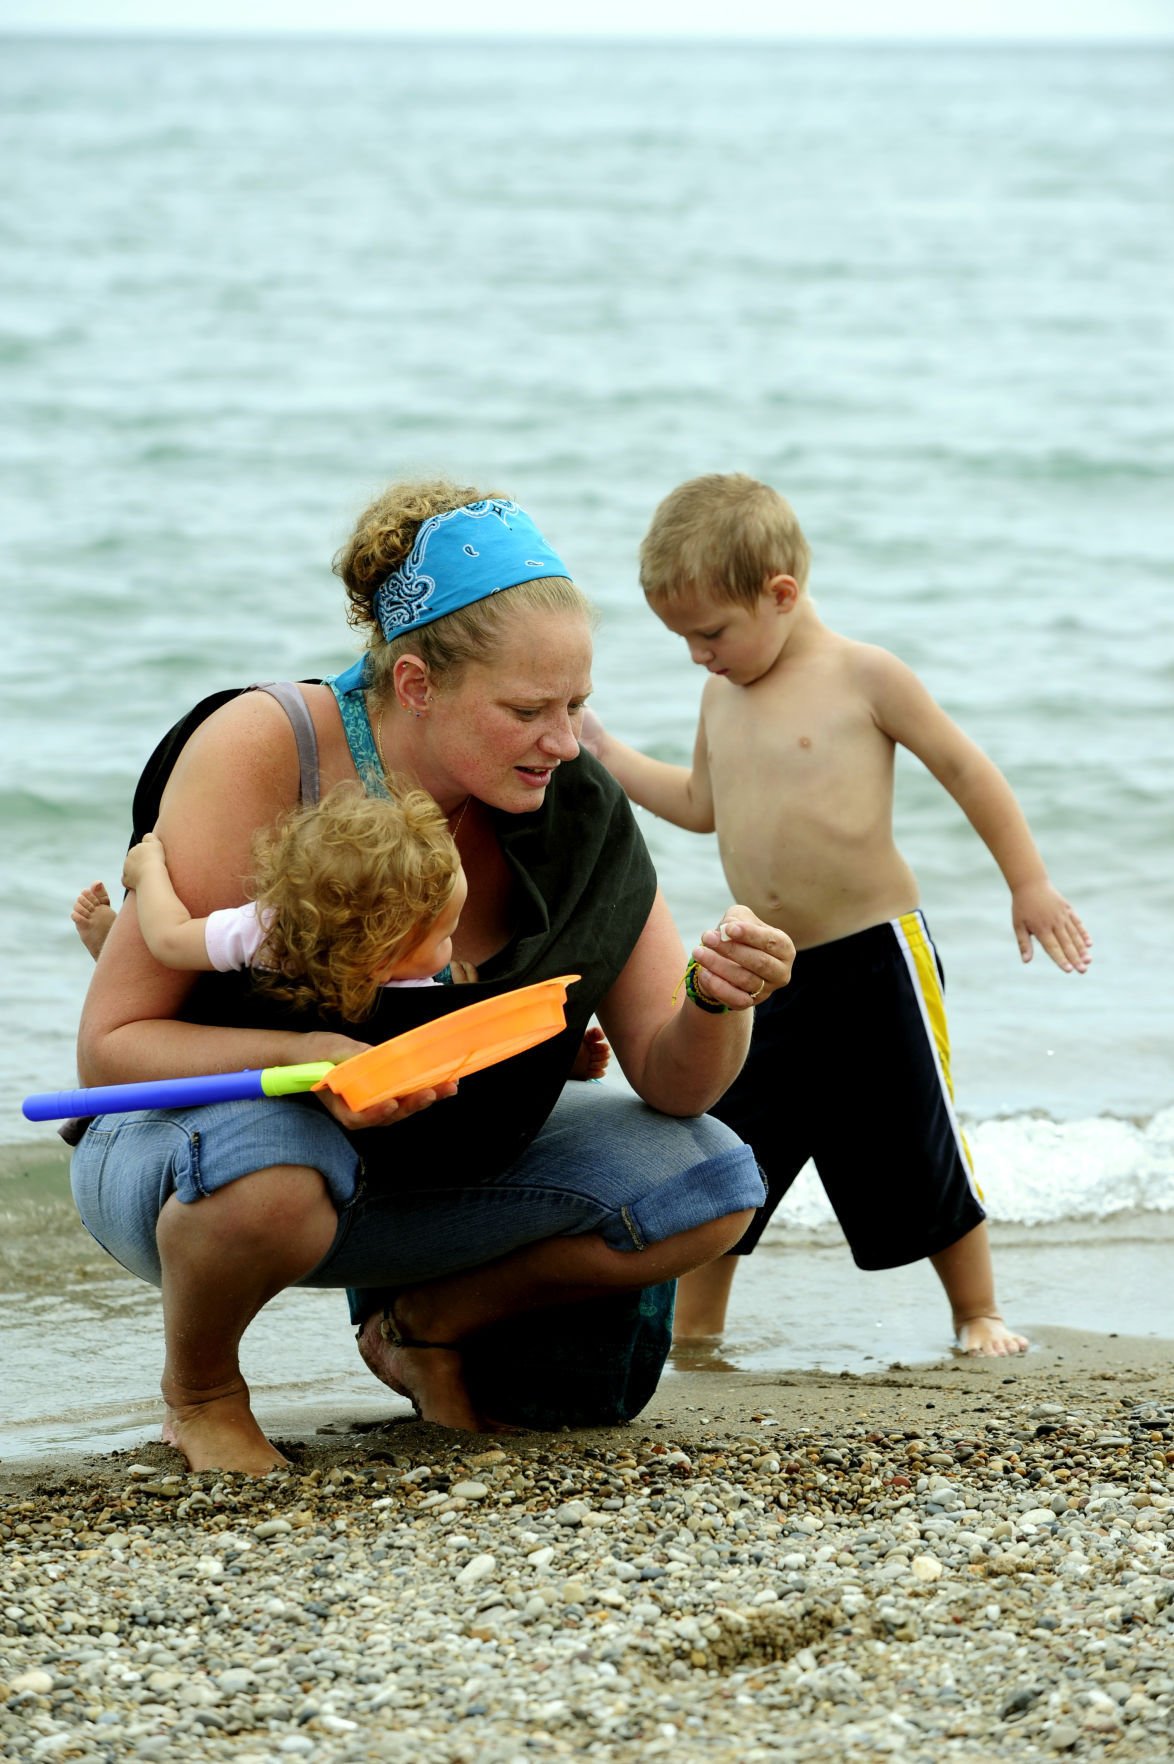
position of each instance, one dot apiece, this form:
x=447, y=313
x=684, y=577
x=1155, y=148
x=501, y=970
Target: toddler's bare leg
x=966, y=1272
x=703, y=1299
x=224, y=1257
x=93, y=915
x=560, y=1270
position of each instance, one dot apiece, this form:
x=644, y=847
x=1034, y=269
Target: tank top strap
x=349, y=690
x=289, y=697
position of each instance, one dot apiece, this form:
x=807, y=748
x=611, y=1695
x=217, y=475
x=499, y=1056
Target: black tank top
x=583, y=889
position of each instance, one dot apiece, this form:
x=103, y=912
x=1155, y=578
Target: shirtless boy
x=793, y=767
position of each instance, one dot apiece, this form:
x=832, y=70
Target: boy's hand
x=1038, y=910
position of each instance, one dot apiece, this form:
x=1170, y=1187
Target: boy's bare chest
x=803, y=737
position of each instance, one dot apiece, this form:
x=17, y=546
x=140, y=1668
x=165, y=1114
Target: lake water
x=926, y=292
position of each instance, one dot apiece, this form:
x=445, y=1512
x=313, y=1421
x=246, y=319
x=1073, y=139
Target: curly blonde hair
x=383, y=537
x=345, y=888
x=724, y=534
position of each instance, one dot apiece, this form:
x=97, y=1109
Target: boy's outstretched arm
x=908, y=713
x=673, y=792
x=174, y=938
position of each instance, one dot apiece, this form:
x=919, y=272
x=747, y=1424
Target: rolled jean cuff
x=728, y=1183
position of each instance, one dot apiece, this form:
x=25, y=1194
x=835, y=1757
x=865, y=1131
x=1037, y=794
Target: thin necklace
x=455, y=828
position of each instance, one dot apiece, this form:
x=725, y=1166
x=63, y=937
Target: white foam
x=1034, y=1171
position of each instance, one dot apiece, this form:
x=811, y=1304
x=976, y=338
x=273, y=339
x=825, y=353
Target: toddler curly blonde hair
x=347, y=887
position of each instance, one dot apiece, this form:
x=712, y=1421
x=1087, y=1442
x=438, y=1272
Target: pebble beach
x=965, y=1561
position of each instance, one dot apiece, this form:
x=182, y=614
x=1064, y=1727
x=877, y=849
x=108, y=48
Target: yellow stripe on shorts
x=923, y=969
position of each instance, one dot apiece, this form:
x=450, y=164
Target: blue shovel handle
x=174, y=1093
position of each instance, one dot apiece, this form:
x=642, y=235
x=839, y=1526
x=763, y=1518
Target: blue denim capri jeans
x=603, y=1162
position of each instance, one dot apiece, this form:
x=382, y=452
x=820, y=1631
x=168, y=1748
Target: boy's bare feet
x=219, y=1432
x=989, y=1336
x=431, y=1377
x=93, y=915
x=591, y=1061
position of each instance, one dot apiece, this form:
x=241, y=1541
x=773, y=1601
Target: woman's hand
x=384, y=1114
x=319, y=1045
x=743, y=961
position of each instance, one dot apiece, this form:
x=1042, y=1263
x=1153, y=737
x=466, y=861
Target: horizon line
x=715, y=38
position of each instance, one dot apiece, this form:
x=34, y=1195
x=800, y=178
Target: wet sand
x=701, y=1399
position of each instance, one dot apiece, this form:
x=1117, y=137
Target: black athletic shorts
x=850, y=1065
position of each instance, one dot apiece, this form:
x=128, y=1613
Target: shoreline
x=802, y=1315
x=697, y=1395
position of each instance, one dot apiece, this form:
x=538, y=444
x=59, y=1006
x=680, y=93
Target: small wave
x=1035, y=1171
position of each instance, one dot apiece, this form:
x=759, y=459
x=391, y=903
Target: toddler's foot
x=93, y=915
x=989, y=1336
x=591, y=1061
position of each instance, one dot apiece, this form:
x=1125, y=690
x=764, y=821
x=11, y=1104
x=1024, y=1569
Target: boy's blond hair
x=383, y=537
x=724, y=534
x=347, y=887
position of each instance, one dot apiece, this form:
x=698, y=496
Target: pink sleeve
x=233, y=936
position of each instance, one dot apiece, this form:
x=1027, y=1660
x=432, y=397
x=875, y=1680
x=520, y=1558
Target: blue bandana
x=462, y=556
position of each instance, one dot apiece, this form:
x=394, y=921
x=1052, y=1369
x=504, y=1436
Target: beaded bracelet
x=701, y=999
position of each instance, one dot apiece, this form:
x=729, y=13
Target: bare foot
x=591, y=1061
x=219, y=1432
x=989, y=1336
x=432, y=1378
x=93, y=915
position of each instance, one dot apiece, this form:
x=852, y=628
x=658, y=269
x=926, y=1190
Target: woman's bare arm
x=238, y=772
x=677, y=1057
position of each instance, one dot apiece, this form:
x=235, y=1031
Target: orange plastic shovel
x=450, y=1047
